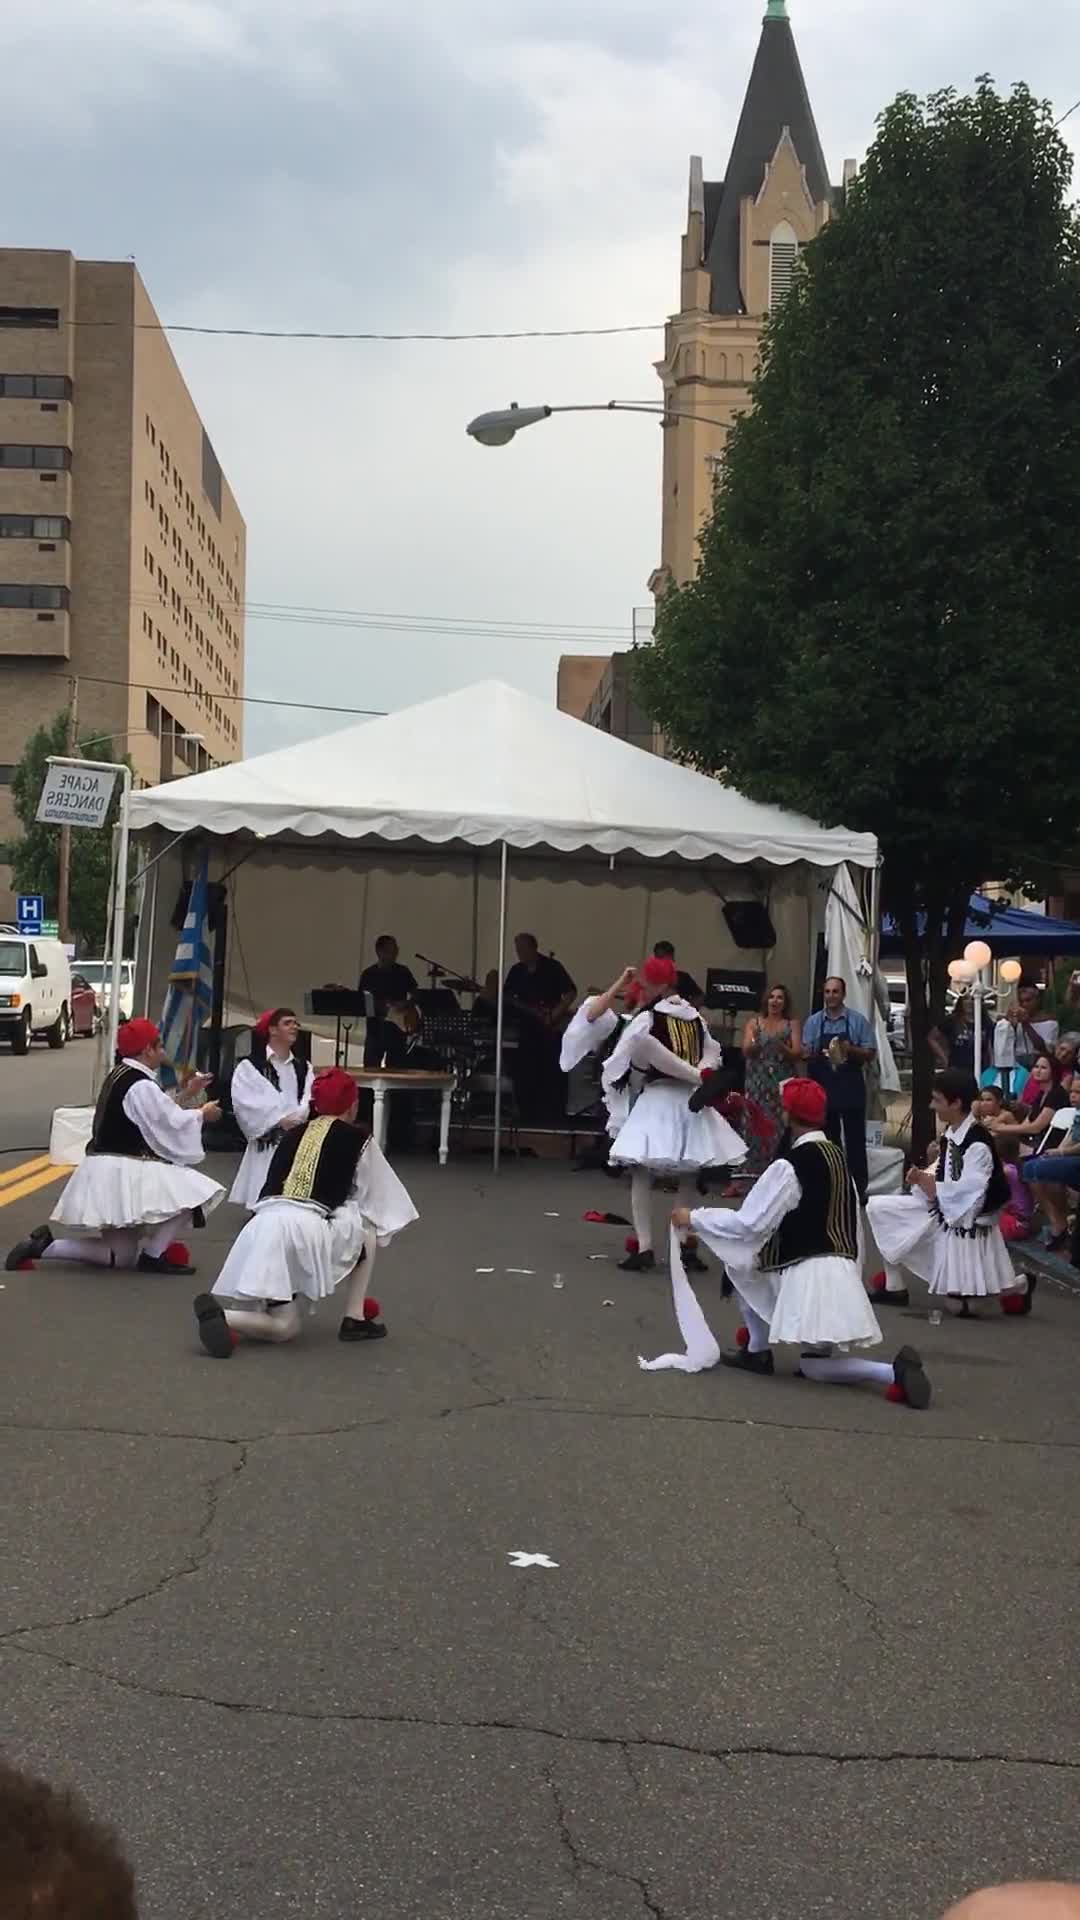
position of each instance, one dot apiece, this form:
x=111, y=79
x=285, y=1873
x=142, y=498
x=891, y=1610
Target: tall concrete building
x=122, y=549
x=739, y=252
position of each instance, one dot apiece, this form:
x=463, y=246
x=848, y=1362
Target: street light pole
x=63, y=876
x=498, y=429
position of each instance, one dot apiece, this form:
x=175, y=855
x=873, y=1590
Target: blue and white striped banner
x=189, y=1000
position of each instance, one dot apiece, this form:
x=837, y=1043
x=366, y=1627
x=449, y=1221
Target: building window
x=34, y=526
x=28, y=317
x=783, y=253
x=211, y=476
x=24, y=456
x=33, y=596
x=34, y=386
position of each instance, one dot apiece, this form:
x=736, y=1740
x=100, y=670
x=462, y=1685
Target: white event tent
x=439, y=822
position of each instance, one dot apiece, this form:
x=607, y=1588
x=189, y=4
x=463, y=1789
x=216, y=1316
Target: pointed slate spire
x=775, y=98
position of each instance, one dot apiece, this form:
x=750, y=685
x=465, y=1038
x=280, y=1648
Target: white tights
x=283, y=1322
x=843, y=1371
x=118, y=1246
x=641, y=1209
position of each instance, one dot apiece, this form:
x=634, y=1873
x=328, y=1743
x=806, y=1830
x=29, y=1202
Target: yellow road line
x=20, y=1172
x=26, y=1187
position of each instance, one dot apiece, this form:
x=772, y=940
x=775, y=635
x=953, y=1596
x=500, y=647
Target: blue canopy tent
x=1006, y=930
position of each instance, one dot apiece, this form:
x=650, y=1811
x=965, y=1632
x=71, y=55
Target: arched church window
x=783, y=253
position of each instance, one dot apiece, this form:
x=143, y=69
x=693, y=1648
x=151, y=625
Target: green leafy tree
x=883, y=630
x=35, y=856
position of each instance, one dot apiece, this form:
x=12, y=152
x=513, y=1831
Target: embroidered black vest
x=112, y=1131
x=683, y=1037
x=826, y=1220
x=316, y=1162
x=952, y=1157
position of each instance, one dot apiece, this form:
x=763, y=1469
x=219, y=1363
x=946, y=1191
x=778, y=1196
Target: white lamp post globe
x=978, y=954
x=1011, y=971
x=960, y=971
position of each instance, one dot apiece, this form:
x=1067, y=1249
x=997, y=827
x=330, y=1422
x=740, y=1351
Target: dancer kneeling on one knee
x=137, y=1187
x=946, y=1229
x=329, y=1200
x=793, y=1254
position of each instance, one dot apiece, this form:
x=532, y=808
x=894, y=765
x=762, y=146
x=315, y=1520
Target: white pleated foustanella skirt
x=967, y=1266
x=292, y=1247
x=661, y=1134
x=112, y=1190
x=250, y=1175
x=822, y=1302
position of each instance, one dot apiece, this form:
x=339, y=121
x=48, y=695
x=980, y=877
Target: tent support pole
x=875, y=919
x=499, y=1012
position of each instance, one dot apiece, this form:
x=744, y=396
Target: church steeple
x=776, y=103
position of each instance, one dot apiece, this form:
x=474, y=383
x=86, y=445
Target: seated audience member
x=990, y=1105
x=56, y=1861
x=1054, y=1172
x=1050, y=1096
x=1017, y=1216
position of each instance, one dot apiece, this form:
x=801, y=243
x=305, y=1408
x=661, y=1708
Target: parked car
x=35, y=990
x=98, y=974
x=85, y=1012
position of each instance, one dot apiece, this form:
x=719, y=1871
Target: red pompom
x=878, y=1282
x=742, y=1337
x=707, y=1072
x=25, y=1266
x=631, y=1243
x=372, y=1309
x=1014, y=1302
x=234, y=1337
x=896, y=1394
x=177, y=1254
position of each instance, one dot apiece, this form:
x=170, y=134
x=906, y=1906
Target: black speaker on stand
x=749, y=924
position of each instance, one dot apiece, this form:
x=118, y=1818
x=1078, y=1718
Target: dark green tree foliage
x=883, y=633
x=35, y=855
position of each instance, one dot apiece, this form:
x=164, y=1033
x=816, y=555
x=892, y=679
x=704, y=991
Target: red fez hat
x=262, y=1024
x=659, y=971
x=805, y=1102
x=135, y=1036
x=333, y=1091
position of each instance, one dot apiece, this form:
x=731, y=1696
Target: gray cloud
x=464, y=165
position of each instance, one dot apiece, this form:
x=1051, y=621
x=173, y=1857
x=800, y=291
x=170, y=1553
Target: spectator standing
x=1022, y=1033
x=838, y=1045
x=772, y=1049
x=685, y=985
x=953, y=1042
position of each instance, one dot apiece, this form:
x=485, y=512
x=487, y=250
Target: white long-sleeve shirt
x=173, y=1133
x=259, y=1106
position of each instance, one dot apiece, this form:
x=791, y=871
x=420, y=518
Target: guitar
x=552, y=1019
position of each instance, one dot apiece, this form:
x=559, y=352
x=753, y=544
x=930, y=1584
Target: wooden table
x=382, y=1082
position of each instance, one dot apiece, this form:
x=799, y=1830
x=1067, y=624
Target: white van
x=35, y=990
x=98, y=974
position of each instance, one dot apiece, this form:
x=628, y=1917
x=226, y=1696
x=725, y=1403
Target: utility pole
x=63, y=886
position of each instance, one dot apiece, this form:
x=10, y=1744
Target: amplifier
x=728, y=989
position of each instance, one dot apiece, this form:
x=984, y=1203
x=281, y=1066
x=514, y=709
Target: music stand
x=345, y=1005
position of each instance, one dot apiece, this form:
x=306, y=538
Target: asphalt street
x=803, y=1652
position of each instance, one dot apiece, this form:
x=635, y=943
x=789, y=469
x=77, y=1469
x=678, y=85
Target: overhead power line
x=242, y=699
x=315, y=333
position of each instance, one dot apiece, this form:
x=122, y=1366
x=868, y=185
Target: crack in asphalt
x=504, y=1403
x=198, y=1554
x=578, y=1861
x=749, y=1750
x=804, y=1523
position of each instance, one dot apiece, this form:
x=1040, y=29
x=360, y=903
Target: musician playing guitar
x=541, y=991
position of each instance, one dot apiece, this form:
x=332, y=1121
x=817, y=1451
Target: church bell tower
x=739, y=252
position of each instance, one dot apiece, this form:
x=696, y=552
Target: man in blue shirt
x=839, y=1043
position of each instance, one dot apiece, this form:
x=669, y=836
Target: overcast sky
x=454, y=165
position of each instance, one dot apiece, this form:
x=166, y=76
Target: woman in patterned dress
x=772, y=1048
